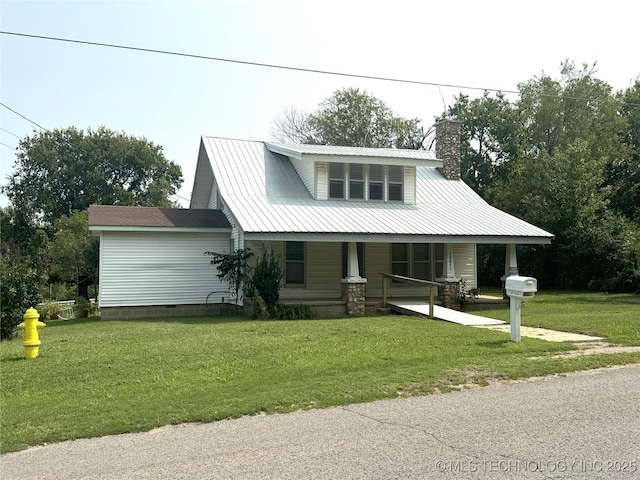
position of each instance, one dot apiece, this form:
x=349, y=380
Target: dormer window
x=395, y=183
x=336, y=180
x=358, y=181
x=376, y=182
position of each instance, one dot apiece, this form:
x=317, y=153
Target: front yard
x=95, y=378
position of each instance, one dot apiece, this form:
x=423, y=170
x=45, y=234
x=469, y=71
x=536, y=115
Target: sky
x=173, y=100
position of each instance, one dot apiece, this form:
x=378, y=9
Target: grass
x=95, y=378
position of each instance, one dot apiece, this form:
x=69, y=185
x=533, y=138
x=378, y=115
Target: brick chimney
x=448, y=147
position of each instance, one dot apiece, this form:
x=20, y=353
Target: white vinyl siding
x=410, y=185
x=465, y=262
x=213, y=198
x=157, y=268
x=305, y=171
x=322, y=181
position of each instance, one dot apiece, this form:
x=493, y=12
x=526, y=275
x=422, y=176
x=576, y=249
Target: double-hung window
x=376, y=182
x=396, y=175
x=294, y=268
x=356, y=181
x=336, y=180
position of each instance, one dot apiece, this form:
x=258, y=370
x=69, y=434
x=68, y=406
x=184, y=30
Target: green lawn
x=95, y=377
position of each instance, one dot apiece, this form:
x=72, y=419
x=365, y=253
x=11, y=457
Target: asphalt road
x=583, y=425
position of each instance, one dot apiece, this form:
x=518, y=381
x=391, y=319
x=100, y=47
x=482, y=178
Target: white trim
x=393, y=238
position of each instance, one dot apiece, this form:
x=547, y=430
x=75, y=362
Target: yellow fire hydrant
x=31, y=325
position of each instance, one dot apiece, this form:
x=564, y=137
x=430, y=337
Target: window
x=396, y=175
x=336, y=180
x=294, y=270
x=417, y=260
x=356, y=181
x=347, y=181
x=400, y=259
x=376, y=182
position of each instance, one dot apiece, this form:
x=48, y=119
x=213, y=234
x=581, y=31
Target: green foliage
x=233, y=268
x=623, y=173
x=295, y=312
x=266, y=281
x=350, y=117
x=20, y=289
x=563, y=157
x=65, y=170
x=73, y=251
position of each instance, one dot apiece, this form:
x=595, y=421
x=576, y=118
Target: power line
x=287, y=67
x=10, y=133
x=8, y=146
x=21, y=115
x=255, y=64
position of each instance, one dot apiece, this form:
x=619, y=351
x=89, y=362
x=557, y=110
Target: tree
x=20, y=289
x=233, y=268
x=490, y=137
x=64, y=170
x=74, y=252
x=350, y=117
x=560, y=157
x=623, y=174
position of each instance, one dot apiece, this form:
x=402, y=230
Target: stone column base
x=449, y=293
x=353, y=293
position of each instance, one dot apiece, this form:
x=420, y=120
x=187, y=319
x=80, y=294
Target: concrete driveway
x=582, y=425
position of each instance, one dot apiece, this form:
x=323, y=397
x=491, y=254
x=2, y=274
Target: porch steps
x=421, y=308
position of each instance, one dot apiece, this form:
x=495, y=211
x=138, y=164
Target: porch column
x=353, y=269
x=353, y=287
x=450, y=293
x=510, y=266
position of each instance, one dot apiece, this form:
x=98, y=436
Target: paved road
x=584, y=425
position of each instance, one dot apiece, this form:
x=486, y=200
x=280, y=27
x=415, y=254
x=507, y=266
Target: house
x=338, y=217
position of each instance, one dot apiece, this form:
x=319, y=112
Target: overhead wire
x=23, y=116
x=285, y=67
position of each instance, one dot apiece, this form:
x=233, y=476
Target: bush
x=20, y=290
x=295, y=312
x=266, y=281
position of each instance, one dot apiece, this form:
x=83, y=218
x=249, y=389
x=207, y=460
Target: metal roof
x=380, y=156
x=270, y=201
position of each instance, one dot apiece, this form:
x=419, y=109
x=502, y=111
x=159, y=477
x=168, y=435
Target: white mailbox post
x=518, y=289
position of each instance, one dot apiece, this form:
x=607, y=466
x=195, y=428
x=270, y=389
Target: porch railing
x=386, y=281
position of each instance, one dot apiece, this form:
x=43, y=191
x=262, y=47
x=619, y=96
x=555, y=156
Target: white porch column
x=510, y=266
x=353, y=269
x=354, y=286
x=450, y=273
x=510, y=261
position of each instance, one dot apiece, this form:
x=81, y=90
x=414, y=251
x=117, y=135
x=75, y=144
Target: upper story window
x=356, y=181
x=336, y=180
x=396, y=175
x=376, y=182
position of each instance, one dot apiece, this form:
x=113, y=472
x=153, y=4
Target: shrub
x=20, y=290
x=266, y=281
x=295, y=312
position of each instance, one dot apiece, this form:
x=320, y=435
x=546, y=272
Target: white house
x=337, y=216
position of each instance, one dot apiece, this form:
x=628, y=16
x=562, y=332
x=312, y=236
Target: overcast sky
x=173, y=100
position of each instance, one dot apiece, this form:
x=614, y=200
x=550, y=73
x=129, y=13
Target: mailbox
x=521, y=287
